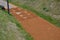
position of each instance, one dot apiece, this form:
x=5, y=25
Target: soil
x=36, y=26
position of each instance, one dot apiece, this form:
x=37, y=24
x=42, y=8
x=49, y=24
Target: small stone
x=21, y=15
x=24, y=17
x=18, y=13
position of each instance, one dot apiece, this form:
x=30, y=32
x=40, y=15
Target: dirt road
x=39, y=28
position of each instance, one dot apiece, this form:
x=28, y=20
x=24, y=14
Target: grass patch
x=8, y=17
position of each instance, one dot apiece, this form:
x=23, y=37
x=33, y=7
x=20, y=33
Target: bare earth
x=39, y=28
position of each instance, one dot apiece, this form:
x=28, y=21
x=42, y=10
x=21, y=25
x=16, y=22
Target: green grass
x=5, y=17
x=57, y=0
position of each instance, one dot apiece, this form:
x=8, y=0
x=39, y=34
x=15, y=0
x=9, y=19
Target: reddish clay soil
x=39, y=28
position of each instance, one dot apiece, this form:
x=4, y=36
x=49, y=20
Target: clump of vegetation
x=2, y=7
x=45, y=9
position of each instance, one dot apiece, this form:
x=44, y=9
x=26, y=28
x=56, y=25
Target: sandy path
x=39, y=28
